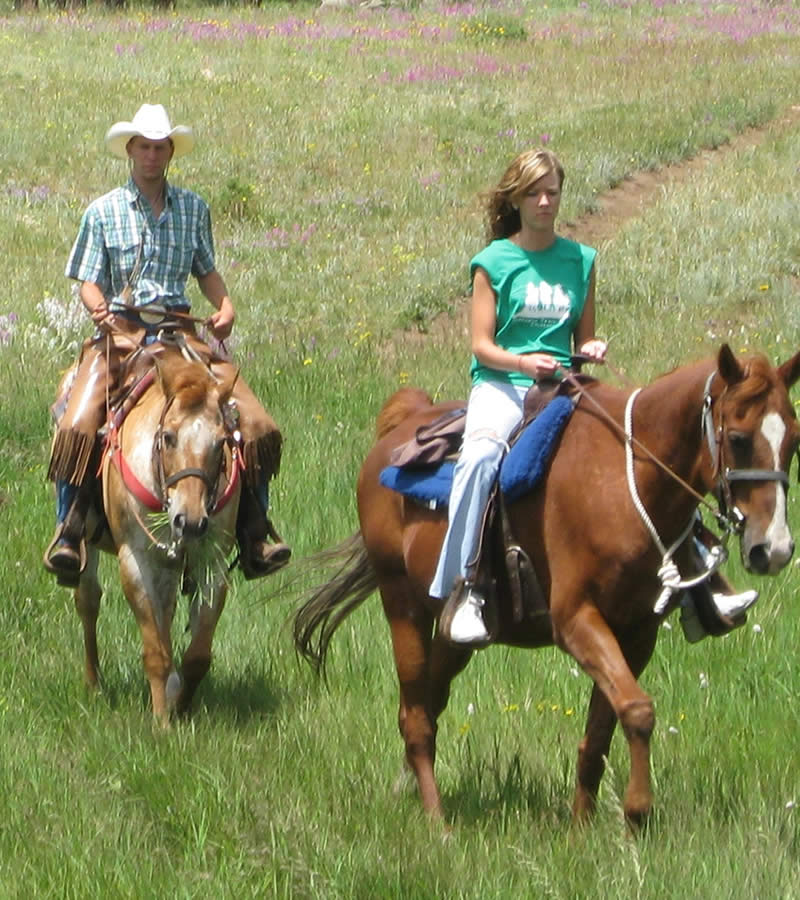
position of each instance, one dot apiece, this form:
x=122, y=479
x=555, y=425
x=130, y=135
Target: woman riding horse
x=533, y=296
x=137, y=245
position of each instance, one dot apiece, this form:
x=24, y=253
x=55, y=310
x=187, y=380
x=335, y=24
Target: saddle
x=422, y=468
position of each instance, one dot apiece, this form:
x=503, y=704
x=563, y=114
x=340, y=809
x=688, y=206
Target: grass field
x=342, y=153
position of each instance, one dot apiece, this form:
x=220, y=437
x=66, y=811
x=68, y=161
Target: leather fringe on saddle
x=262, y=458
x=70, y=456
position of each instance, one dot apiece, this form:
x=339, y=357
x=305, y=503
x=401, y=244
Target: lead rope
x=669, y=573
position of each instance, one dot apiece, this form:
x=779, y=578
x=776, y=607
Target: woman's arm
x=583, y=337
x=484, y=323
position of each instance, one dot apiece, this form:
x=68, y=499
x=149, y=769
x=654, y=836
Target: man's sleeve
x=88, y=260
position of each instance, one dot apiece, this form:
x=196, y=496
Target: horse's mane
x=399, y=407
x=189, y=382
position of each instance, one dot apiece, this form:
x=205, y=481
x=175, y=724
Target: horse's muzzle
x=767, y=558
x=184, y=528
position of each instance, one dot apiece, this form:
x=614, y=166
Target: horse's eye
x=741, y=443
x=169, y=439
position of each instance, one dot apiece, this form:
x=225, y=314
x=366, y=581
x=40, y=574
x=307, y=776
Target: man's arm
x=213, y=288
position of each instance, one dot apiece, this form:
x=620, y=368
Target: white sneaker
x=734, y=605
x=467, y=625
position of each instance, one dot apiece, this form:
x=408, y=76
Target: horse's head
x=190, y=444
x=755, y=434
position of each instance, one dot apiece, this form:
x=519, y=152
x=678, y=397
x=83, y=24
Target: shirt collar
x=133, y=192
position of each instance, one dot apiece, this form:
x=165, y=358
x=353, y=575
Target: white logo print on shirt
x=543, y=301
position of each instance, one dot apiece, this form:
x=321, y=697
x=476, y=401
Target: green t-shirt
x=540, y=299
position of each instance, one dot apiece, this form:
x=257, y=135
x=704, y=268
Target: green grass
x=342, y=153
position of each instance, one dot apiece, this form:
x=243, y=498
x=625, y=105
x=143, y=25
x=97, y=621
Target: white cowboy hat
x=151, y=122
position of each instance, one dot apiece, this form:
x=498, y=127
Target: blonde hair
x=502, y=218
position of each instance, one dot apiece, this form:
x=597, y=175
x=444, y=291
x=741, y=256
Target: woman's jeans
x=493, y=412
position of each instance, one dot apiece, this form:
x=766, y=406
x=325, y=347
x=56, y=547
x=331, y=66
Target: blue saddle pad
x=428, y=485
x=521, y=471
x=527, y=462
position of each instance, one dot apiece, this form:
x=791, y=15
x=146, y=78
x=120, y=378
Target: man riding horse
x=136, y=247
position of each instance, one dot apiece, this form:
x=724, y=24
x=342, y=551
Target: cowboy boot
x=65, y=556
x=258, y=557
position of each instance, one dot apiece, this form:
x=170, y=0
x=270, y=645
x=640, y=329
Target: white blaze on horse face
x=778, y=536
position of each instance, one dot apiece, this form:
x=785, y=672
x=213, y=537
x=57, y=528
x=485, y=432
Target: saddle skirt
x=429, y=483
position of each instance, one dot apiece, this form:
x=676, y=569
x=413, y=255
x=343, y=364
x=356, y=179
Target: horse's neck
x=667, y=420
x=138, y=434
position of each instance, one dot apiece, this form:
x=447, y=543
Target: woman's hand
x=537, y=365
x=595, y=349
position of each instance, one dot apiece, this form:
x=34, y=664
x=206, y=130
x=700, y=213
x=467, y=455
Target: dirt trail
x=626, y=201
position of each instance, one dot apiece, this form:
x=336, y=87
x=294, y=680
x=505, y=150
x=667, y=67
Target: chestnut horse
x=720, y=426
x=171, y=487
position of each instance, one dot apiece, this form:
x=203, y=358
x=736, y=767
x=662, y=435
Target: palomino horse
x=720, y=426
x=170, y=494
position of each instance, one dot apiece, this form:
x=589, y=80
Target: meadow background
x=342, y=152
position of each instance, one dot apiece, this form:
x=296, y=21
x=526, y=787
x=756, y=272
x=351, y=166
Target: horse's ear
x=226, y=387
x=728, y=366
x=789, y=371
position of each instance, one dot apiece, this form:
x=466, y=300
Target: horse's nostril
x=202, y=526
x=759, y=559
x=179, y=522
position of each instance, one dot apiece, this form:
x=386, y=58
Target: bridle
x=159, y=501
x=725, y=476
x=164, y=482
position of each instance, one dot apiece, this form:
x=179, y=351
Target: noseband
x=728, y=511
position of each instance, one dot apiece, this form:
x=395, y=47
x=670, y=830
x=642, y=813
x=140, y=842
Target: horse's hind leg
x=203, y=619
x=87, y=604
x=412, y=626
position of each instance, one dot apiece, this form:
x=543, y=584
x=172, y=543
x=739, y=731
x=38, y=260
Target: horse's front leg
x=587, y=637
x=207, y=606
x=592, y=754
x=87, y=604
x=151, y=589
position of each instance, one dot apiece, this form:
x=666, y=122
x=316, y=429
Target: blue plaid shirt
x=119, y=228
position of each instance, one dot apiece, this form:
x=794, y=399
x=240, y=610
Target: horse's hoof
x=173, y=689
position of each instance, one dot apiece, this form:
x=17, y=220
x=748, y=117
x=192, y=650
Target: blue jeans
x=493, y=412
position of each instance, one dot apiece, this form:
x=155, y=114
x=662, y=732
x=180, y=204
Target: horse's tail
x=399, y=407
x=329, y=604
